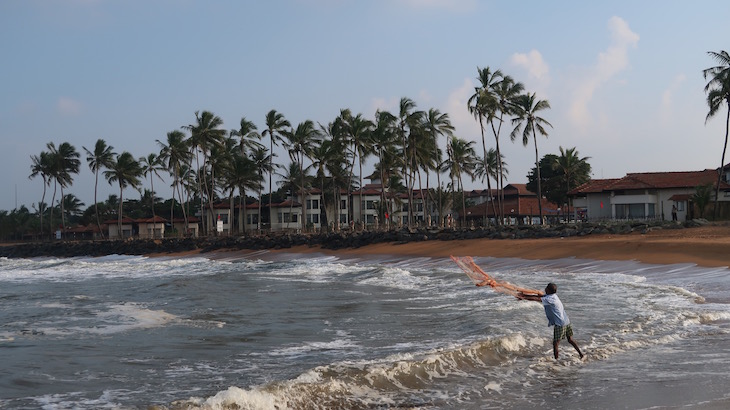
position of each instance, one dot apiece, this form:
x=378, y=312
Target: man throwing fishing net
x=556, y=316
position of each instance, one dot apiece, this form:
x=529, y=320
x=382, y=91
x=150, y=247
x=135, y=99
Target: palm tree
x=462, y=160
x=506, y=92
x=72, y=206
x=249, y=136
x=324, y=154
x=175, y=155
x=292, y=180
x=101, y=157
x=262, y=163
x=360, y=130
x=126, y=172
x=529, y=123
x=576, y=170
x=489, y=168
x=436, y=125
x=300, y=142
x=384, y=139
x=65, y=162
x=718, y=93
x=205, y=135
x=483, y=105
x=275, y=125
x=41, y=165
x=408, y=123
x=152, y=164
x=241, y=173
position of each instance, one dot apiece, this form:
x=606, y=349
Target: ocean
x=285, y=331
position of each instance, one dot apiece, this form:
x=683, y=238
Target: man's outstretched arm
x=524, y=296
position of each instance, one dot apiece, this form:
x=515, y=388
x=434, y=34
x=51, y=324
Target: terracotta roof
x=652, y=180
x=81, y=229
x=593, y=186
x=157, y=219
x=182, y=220
x=125, y=220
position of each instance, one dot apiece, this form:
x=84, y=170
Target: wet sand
x=704, y=246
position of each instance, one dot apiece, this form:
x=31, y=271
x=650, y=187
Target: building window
x=343, y=204
x=312, y=204
x=313, y=218
x=681, y=206
x=252, y=219
x=223, y=217
x=368, y=205
x=343, y=218
x=286, y=217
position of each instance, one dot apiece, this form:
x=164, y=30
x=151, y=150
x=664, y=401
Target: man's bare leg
x=555, y=349
x=577, y=349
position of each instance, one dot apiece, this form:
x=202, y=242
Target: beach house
x=646, y=196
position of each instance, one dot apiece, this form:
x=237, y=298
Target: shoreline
x=703, y=246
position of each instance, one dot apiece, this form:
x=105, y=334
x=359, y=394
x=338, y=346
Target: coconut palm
x=360, y=131
x=436, y=124
x=205, y=134
x=408, y=123
x=72, y=206
x=241, y=173
x=576, y=170
x=505, y=93
x=292, y=179
x=41, y=165
x=529, y=123
x=65, y=162
x=384, y=139
x=262, y=163
x=489, y=169
x=175, y=155
x=151, y=165
x=275, y=125
x=718, y=94
x=463, y=160
x=324, y=155
x=300, y=142
x=126, y=172
x=483, y=104
x=248, y=135
x=101, y=157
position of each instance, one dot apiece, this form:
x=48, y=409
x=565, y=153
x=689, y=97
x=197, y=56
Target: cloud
x=667, y=102
x=68, y=107
x=537, y=69
x=466, y=126
x=610, y=62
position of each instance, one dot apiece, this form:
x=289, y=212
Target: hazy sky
x=624, y=78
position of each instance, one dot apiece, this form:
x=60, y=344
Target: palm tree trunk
x=40, y=206
x=119, y=217
x=539, y=182
x=96, y=204
x=722, y=164
x=53, y=199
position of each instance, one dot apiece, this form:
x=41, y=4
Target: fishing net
x=475, y=273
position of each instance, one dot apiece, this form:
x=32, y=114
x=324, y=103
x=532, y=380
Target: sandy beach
x=707, y=246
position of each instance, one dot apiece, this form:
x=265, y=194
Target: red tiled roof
x=651, y=180
x=155, y=220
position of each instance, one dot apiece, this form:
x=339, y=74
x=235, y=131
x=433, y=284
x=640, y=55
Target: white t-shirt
x=554, y=310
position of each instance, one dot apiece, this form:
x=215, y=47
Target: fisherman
x=556, y=316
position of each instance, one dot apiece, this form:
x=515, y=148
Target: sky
x=623, y=78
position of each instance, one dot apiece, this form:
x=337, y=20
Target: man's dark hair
x=551, y=288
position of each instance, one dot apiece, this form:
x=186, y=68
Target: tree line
x=208, y=163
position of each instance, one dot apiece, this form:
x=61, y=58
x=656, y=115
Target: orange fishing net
x=466, y=263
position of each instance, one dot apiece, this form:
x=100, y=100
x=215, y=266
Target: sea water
x=284, y=331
